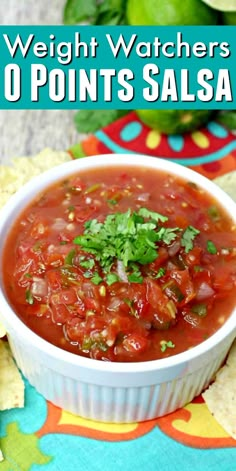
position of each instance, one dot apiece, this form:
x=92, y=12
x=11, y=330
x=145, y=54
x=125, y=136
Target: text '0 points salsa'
x=115, y=265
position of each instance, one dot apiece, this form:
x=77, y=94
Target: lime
x=222, y=5
x=174, y=121
x=229, y=18
x=170, y=13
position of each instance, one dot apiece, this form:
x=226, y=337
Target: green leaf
x=129, y=238
x=169, y=234
x=161, y=272
x=228, y=119
x=214, y=213
x=76, y=11
x=29, y=296
x=69, y=257
x=88, y=264
x=112, y=278
x=112, y=202
x=211, y=248
x=96, y=279
x=166, y=344
x=111, y=12
x=146, y=213
x=89, y=121
x=135, y=278
x=187, y=238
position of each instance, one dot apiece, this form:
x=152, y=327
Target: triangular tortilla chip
x=11, y=383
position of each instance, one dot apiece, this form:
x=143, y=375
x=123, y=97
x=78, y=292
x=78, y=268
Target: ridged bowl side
x=115, y=404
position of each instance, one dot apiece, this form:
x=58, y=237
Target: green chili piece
x=200, y=309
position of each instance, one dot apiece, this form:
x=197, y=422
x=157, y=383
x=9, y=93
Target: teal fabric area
x=152, y=452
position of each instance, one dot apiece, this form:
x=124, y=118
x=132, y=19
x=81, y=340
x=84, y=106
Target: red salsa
x=115, y=265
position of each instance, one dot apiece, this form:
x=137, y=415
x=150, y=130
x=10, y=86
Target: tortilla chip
x=2, y=330
x=220, y=397
x=11, y=383
x=22, y=169
x=228, y=183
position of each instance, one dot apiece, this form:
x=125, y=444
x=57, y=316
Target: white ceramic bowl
x=104, y=391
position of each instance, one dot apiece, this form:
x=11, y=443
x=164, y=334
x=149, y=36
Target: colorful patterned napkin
x=42, y=437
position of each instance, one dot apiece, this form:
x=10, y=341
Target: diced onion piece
x=174, y=248
x=204, y=291
x=143, y=197
x=88, y=290
x=59, y=224
x=114, y=304
x=121, y=271
x=39, y=287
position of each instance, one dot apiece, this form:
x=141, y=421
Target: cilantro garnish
x=161, y=272
x=166, y=344
x=96, y=278
x=214, y=213
x=29, y=296
x=111, y=278
x=135, y=278
x=88, y=264
x=112, y=201
x=187, y=238
x=70, y=256
x=130, y=303
x=127, y=237
x=211, y=248
x=146, y=213
x=132, y=238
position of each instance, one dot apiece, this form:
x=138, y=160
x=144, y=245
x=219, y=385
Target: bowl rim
x=27, y=192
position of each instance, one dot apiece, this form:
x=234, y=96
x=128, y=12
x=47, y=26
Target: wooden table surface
x=26, y=132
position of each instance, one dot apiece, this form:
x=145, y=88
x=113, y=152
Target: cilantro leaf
x=69, y=257
x=130, y=237
x=111, y=278
x=87, y=121
x=146, y=213
x=169, y=234
x=88, y=264
x=96, y=279
x=166, y=344
x=161, y=272
x=187, y=238
x=211, y=248
x=29, y=296
x=135, y=278
x=79, y=10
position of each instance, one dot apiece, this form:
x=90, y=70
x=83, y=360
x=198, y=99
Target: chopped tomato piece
x=60, y=314
x=135, y=343
x=54, y=279
x=183, y=280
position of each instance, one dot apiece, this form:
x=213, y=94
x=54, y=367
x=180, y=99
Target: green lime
x=229, y=18
x=222, y=5
x=170, y=13
x=174, y=121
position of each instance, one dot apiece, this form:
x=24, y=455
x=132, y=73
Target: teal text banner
x=96, y=67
